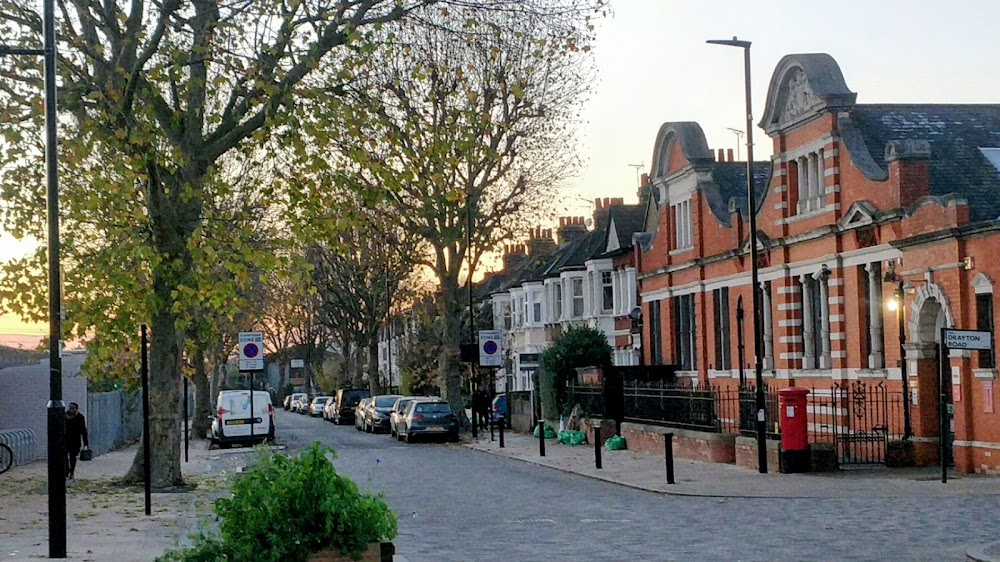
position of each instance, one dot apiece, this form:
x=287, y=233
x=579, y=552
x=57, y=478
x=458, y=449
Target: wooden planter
x=377, y=552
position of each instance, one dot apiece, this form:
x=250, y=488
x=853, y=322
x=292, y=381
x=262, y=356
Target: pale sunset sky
x=654, y=66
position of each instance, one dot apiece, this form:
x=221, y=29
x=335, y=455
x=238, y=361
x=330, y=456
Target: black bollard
x=503, y=422
x=597, y=447
x=668, y=452
x=492, y=425
x=541, y=438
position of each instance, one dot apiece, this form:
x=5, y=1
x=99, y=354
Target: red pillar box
x=794, y=430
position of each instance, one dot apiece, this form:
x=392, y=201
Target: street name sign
x=298, y=363
x=968, y=339
x=251, y=351
x=490, y=352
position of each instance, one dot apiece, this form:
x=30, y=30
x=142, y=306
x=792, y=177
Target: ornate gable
x=803, y=86
x=861, y=213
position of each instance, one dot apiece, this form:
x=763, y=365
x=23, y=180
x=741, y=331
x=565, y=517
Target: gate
x=862, y=434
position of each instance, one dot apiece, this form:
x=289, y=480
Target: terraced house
x=865, y=211
x=584, y=276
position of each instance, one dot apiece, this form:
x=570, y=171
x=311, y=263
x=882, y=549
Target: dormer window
x=682, y=224
x=807, y=172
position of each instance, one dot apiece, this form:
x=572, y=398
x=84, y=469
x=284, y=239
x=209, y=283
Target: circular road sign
x=490, y=347
x=250, y=350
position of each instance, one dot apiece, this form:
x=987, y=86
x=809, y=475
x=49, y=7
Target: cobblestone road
x=458, y=504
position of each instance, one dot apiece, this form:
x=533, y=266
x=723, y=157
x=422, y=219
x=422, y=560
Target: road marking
x=521, y=521
x=604, y=521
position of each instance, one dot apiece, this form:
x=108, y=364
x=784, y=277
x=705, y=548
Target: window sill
x=986, y=374
x=873, y=374
x=808, y=214
x=812, y=373
x=680, y=251
x=720, y=374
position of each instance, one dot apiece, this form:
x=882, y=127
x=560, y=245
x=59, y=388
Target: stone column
x=768, y=328
x=820, y=180
x=803, y=166
x=824, y=323
x=876, y=359
x=809, y=351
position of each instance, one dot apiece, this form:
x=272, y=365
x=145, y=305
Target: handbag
x=86, y=454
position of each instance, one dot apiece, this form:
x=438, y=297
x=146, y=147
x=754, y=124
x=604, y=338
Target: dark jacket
x=76, y=429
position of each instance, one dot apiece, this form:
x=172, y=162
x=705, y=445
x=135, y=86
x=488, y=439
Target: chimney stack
x=513, y=256
x=644, y=189
x=721, y=156
x=571, y=228
x=540, y=241
x=729, y=155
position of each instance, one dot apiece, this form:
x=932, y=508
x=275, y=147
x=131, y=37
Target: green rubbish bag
x=572, y=437
x=616, y=443
x=549, y=432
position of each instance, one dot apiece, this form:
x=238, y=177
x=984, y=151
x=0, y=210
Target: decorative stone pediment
x=802, y=86
x=860, y=214
x=981, y=283
x=762, y=243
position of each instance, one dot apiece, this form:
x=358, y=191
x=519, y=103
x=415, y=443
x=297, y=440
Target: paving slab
x=647, y=471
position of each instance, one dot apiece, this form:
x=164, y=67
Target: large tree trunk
x=164, y=382
x=345, y=366
x=202, y=395
x=373, y=373
x=357, y=359
x=173, y=221
x=449, y=373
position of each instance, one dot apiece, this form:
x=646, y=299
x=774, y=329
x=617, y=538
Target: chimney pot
x=721, y=156
x=597, y=202
x=644, y=180
x=729, y=155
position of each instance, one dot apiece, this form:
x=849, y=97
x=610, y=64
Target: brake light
x=496, y=408
x=270, y=411
x=222, y=411
x=417, y=417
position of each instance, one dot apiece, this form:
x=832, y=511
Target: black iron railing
x=661, y=403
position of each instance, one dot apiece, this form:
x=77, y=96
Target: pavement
x=647, y=471
x=106, y=520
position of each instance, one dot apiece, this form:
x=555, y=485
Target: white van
x=233, y=422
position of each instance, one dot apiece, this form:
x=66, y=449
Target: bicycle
x=6, y=458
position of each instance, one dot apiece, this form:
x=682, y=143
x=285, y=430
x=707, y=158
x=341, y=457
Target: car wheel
x=408, y=438
x=453, y=437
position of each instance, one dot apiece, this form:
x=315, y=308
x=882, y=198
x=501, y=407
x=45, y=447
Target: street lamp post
x=56, y=408
x=758, y=333
x=898, y=304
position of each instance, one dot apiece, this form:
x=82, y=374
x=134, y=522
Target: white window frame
x=683, y=235
x=578, y=297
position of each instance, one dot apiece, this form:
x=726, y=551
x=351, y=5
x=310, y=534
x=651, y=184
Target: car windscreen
x=434, y=408
x=385, y=401
x=322, y=400
x=403, y=404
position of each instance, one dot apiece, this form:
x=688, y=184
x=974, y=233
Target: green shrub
x=288, y=509
x=579, y=346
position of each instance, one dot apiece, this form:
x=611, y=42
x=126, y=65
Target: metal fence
x=663, y=403
x=22, y=443
x=114, y=419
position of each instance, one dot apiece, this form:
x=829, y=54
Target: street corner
x=984, y=552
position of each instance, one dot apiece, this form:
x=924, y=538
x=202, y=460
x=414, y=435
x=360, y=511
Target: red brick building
x=857, y=201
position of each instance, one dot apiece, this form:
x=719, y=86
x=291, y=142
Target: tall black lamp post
x=898, y=304
x=56, y=407
x=758, y=332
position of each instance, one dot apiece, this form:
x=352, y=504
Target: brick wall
x=746, y=454
x=694, y=445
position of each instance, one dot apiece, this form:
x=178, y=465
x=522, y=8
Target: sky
x=654, y=67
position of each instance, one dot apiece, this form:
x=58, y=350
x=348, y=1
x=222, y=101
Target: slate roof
x=628, y=220
x=730, y=180
x=955, y=134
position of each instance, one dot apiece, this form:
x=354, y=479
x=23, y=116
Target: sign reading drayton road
x=251, y=351
x=968, y=339
x=489, y=348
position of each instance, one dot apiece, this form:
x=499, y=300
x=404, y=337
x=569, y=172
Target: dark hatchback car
x=378, y=413
x=344, y=403
x=428, y=418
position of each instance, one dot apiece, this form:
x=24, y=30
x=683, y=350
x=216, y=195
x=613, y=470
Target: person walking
x=76, y=431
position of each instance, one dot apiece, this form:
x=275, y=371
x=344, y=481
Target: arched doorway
x=931, y=313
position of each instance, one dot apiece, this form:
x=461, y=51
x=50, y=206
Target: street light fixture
x=56, y=408
x=758, y=332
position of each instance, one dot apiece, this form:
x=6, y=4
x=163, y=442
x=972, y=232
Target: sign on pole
x=490, y=352
x=251, y=351
x=968, y=339
x=298, y=363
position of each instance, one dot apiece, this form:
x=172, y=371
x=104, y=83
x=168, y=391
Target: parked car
x=294, y=400
x=499, y=410
x=345, y=402
x=236, y=422
x=287, y=402
x=429, y=418
x=396, y=413
x=317, y=404
x=359, y=413
x=300, y=404
x=377, y=414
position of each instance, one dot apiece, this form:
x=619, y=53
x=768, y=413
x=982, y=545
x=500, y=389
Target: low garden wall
x=688, y=444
